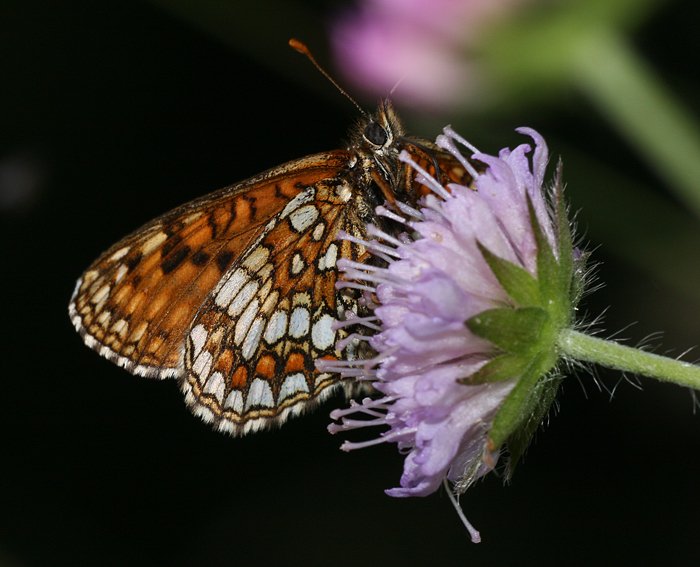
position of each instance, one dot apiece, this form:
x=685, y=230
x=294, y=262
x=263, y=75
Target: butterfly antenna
x=301, y=48
x=397, y=84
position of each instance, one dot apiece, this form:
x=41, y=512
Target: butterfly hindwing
x=251, y=352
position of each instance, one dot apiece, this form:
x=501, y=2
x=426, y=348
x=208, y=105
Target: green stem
x=614, y=355
x=643, y=110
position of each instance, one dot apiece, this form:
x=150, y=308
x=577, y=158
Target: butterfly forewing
x=136, y=302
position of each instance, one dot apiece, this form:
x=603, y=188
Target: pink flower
x=386, y=41
x=438, y=369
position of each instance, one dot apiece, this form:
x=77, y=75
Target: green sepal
x=565, y=244
x=520, y=405
x=548, y=275
x=501, y=367
x=511, y=330
x=541, y=398
x=518, y=283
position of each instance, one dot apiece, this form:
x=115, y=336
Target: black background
x=119, y=111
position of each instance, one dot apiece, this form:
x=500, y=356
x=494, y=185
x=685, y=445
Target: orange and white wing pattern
x=251, y=348
x=135, y=303
x=234, y=294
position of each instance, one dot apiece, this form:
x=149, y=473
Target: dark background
x=113, y=112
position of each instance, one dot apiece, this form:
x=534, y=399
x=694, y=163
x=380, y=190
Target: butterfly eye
x=375, y=134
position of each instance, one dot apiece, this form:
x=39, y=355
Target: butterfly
x=234, y=294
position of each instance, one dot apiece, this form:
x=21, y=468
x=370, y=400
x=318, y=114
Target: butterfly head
x=380, y=130
x=377, y=141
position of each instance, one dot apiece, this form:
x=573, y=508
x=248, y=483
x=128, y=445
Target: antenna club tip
x=299, y=46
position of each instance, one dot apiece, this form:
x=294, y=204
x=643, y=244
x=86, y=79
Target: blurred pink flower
x=421, y=44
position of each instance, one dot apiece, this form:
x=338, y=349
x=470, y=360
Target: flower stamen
x=371, y=245
x=390, y=436
x=368, y=322
x=384, y=212
x=426, y=178
x=377, y=233
x=409, y=211
x=473, y=532
x=354, y=285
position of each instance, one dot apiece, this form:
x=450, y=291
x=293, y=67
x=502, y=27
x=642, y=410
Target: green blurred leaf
x=619, y=212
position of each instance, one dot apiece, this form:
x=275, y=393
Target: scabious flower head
x=466, y=309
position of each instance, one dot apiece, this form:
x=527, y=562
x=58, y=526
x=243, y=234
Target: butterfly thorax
x=377, y=142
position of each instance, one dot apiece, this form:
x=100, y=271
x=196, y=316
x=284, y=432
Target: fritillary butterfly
x=234, y=294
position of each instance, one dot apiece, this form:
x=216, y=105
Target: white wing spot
x=301, y=298
x=121, y=272
x=89, y=277
x=119, y=254
x=301, y=199
x=303, y=217
x=298, y=264
x=259, y=394
x=231, y=287
x=276, y=327
x=292, y=384
x=319, y=229
x=299, y=322
x=96, y=284
x=202, y=365
x=245, y=321
x=103, y=318
x=192, y=217
x=270, y=302
x=234, y=401
x=243, y=298
x=331, y=256
x=101, y=294
x=138, y=332
x=216, y=386
x=265, y=271
x=257, y=258
x=265, y=291
x=198, y=334
x=120, y=328
x=322, y=332
x=154, y=242
x=252, y=338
